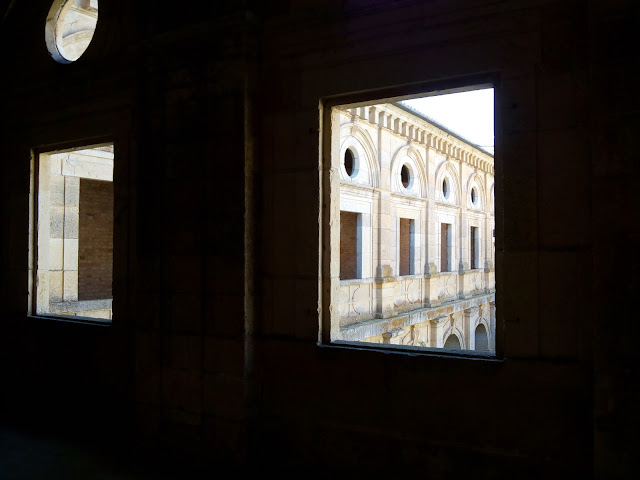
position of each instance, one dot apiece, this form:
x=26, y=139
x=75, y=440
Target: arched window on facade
x=452, y=342
x=482, y=339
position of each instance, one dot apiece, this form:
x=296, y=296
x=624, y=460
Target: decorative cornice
x=418, y=130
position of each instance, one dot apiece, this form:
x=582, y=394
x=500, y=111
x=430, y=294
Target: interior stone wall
x=214, y=352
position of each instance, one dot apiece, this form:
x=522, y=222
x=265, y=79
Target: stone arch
x=411, y=156
x=481, y=334
x=475, y=180
x=447, y=170
x=453, y=330
x=359, y=141
x=453, y=341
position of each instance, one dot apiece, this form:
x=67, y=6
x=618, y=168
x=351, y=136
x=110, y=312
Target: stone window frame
x=38, y=156
x=446, y=188
x=363, y=207
x=411, y=158
x=450, y=216
x=443, y=174
x=406, y=167
x=365, y=170
x=330, y=188
x=415, y=214
x=54, y=30
x=475, y=183
x=475, y=257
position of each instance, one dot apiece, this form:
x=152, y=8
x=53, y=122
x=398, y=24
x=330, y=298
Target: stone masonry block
x=283, y=306
x=55, y=254
x=56, y=189
x=184, y=351
x=55, y=286
x=70, y=288
x=520, y=194
x=517, y=104
x=71, y=191
x=186, y=312
x=564, y=210
x=224, y=315
x=182, y=389
x=562, y=99
x=56, y=222
x=306, y=308
x=519, y=310
x=223, y=355
x=224, y=396
x=71, y=222
x=70, y=254
x=564, y=328
x=55, y=165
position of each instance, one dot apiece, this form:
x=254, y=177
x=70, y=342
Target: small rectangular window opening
x=473, y=247
x=349, y=245
x=406, y=247
x=72, y=231
x=401, y=169
x=445, y=247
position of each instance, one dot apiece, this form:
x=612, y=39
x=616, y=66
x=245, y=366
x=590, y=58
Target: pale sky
x=469, y=114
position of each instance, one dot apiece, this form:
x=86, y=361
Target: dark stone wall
x=614, y=118
x=215, y=113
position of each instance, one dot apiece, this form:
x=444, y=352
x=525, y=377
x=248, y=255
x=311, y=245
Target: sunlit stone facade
x=416, y=232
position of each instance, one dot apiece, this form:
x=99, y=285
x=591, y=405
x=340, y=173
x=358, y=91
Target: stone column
x=63, y=237
x=492, y=325
x=470, y=314
x=56, y=234
x=384, y=272
x=70, y=240
x=436, y=333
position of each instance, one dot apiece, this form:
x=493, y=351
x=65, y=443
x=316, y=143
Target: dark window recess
x=405, y=246
x=404, y=176
x=348, y=162
x=473, y=247
x=444, y=246
x=348, y=245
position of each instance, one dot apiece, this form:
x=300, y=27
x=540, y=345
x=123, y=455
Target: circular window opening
x=445, y=188
x=349, y=162
x=69, y=28
x=405, y=176
x=474, y=196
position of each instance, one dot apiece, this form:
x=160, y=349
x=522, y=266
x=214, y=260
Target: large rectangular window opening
x=413, y=282
x=72, y=230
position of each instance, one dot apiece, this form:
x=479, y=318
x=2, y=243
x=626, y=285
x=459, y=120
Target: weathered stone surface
x=222, y=233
